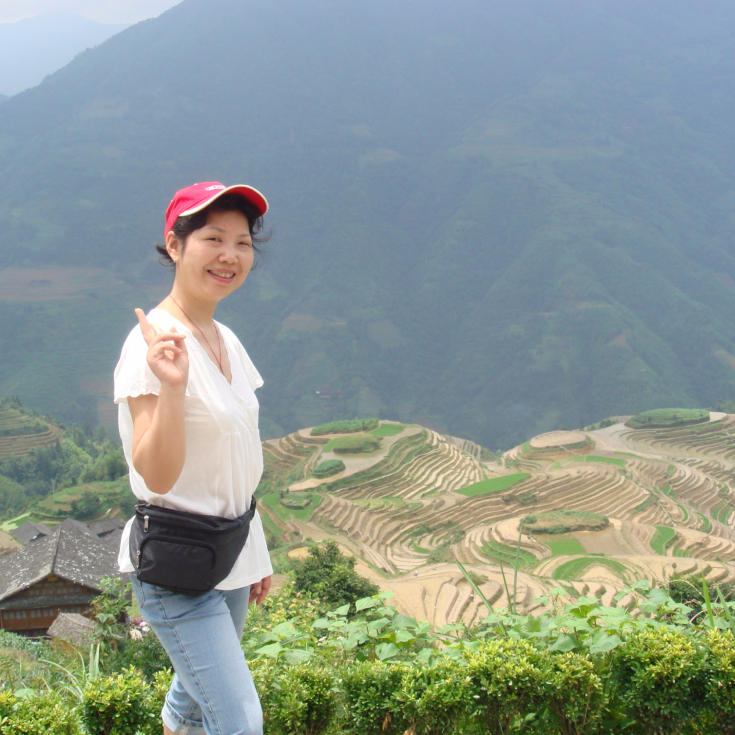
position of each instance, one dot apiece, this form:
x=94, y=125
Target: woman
x=188, y=421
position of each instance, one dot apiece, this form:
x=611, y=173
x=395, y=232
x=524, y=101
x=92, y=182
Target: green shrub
x=355, y=444
x=564, y=521
x=302, y=700
x=720, y=697
x=370, y=706
x=436, y=699
x=297, y=502
x=345, y=427
x=156, y=696
x=662, y=418
x=572, y=692
x=329, y=467
x=506, y=682
x=42, y=714
x=328, y=574
x=118, y=705
x=661, y=679
x=146, y=654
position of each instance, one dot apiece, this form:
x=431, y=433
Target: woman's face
x=217, y=257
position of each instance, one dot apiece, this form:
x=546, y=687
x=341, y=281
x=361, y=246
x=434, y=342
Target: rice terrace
x=591, y=511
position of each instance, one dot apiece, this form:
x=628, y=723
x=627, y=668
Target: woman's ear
x=173, y=246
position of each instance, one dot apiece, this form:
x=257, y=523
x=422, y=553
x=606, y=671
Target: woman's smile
x=222, y=276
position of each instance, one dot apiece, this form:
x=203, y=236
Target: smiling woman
x=188, y=420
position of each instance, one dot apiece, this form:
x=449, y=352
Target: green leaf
x=297, y=656
x=343, y=610
x=272, y=650
x=386, y=650
x=563, y=643
x=365, y=603
x=403, y=621
x=321, y=623
x=425, y=655
x=606, y=643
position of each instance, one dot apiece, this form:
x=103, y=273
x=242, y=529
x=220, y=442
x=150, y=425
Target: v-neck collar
x=208, y=359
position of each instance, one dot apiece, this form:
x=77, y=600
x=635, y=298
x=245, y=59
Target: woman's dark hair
x=185, y=225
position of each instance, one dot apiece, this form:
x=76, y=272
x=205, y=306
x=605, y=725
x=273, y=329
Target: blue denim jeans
x=212, y=691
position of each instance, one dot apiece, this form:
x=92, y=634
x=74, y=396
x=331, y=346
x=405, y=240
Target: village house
x=55, y=573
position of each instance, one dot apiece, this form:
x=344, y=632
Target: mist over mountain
x=491, y=217
x=34, y=47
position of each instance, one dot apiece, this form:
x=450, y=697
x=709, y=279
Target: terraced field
x=19, y=432
x=423, y=501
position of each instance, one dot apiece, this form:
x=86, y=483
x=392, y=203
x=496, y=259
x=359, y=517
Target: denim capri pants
x=212, y=691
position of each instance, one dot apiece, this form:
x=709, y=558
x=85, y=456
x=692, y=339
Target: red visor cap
x=195, y=198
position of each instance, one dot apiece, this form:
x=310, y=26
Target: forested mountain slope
x=495, y=218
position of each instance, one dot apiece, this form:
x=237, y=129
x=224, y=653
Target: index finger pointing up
x=145, y=326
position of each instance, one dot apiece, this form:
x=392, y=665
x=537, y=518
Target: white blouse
x=224, y=456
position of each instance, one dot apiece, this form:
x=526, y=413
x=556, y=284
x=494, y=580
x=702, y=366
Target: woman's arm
x=159, y=439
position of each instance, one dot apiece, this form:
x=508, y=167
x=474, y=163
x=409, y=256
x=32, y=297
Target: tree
x=87, y=506
x=328, y=574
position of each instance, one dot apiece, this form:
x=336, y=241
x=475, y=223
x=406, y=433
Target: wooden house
x=58, y=572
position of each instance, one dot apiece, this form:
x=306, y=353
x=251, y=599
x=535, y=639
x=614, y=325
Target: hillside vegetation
x=663, y=418
x=491, y=221
x=51, y=471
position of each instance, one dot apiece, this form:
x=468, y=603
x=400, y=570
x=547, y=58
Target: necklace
x=219, y=343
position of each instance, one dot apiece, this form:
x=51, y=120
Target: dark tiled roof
x=29, y=531
x=69, y=523
x=67, y=552
x=73, y=628
x=105, y=526
x=37, y=601
x=113, y=539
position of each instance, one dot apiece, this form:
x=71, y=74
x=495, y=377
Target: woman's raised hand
x=167, y=356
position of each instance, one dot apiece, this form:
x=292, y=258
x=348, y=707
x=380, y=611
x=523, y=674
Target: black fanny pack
x=184, y=552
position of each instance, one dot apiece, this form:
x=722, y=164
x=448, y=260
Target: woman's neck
x=179, y=303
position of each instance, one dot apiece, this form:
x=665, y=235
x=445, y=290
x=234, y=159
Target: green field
x=574, y=568
x=596, y=458
x=721, y=511
x=507, y=554
x=493, y=484
x=273, y=502
x=662, y=538
x=354, y=444
x=706, y=523
x=664, y=418
x=384, y=503
x=565, y=547
x=388, y=430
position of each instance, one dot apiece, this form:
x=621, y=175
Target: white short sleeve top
x=224, y=456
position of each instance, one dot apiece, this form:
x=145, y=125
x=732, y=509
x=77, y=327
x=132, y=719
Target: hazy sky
x=104, y=11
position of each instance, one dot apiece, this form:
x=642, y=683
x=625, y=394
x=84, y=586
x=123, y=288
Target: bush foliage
x=348, y=426
x=648, y=667
x=662, y=418
x=329, y=575
x=564, y=521
x=329, y=467
x=355, y=444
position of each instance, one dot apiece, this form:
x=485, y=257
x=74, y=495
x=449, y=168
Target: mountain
x=34, y=47
x=487, y=218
